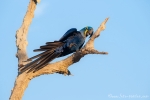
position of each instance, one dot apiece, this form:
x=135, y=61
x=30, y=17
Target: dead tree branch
x=23, y=79
x=21, y=42
x=62, y=66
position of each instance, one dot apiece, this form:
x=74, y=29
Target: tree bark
x=61, y=67
x=22, y=80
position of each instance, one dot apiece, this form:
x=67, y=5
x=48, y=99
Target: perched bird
x=70, y=42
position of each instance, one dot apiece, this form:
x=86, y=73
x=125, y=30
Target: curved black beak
x=91, y=34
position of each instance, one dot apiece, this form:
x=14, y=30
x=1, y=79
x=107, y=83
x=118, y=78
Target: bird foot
x=67, y=72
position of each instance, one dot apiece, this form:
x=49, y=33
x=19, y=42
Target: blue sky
x=123, y=72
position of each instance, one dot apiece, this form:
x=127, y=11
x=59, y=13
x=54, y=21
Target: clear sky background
x=125, y=71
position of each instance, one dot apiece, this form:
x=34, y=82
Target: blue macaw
x=70, y=42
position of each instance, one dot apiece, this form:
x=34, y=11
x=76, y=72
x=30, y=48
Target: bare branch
x=21, y=35
x=90, y=43
x=61, y=67
x=21, y=42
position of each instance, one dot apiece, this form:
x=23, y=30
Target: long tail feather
x=30, y=65
x=49, y=45
x=43, y=58
x=35, y=62
x=41, y=61
x=36, y=50
x=46, y=62
x=54, y=43
x=41, y=54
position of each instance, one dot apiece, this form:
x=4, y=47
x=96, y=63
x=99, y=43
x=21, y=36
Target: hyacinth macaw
x=70, y=42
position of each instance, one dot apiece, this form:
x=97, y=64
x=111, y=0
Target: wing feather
x=69, y=33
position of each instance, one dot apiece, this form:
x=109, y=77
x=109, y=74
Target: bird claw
x=67, y=72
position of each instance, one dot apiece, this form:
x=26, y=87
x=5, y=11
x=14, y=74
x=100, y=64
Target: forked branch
x=23, y=79
x=62, y=66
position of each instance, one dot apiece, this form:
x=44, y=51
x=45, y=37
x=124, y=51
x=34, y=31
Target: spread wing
x=69, y=33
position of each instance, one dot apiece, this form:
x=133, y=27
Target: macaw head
x=87, y=31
